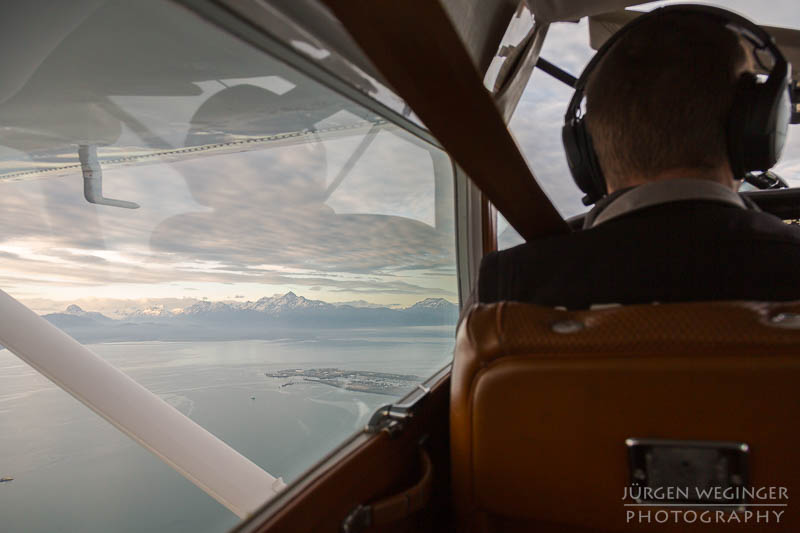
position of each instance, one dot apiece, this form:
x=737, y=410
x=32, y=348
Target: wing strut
x=219, y=470
x=418, y=51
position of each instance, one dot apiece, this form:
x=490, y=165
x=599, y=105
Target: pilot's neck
x=722, y=175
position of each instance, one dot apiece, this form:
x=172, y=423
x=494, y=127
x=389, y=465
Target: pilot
x=674, y=119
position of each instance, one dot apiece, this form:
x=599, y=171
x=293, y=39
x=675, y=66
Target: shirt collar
x=655, y=193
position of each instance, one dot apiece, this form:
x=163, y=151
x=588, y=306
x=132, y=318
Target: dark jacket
x=676, y=252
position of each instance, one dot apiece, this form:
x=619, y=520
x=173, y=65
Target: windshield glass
x=271, y=259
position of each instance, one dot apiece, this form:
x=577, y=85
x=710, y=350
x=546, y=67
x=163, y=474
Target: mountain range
x=267, y=317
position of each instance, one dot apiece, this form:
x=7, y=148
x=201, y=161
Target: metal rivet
x=568, y=326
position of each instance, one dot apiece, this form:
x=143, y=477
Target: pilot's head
x=658, y=102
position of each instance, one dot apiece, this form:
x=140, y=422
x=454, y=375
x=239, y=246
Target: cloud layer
x=250, y=218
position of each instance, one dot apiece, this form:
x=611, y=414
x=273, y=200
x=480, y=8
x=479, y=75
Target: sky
x=235, y=226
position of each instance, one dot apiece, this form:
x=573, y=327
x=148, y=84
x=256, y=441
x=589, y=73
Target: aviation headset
x=756, y=127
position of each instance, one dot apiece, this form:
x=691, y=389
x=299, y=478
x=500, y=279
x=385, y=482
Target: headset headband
x=754, y=33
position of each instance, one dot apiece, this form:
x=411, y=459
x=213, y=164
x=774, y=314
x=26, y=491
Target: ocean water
x=73, y=472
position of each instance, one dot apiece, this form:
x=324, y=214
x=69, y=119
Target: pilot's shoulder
x=765, y=226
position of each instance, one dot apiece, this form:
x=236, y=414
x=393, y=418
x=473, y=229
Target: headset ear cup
x=757, y=123
x=595, y=172
x=739, y=126
x=582, y=160
x=575, y=158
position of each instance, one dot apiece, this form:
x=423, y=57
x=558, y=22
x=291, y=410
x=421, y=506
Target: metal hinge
x=392, y=418
x=389, y=418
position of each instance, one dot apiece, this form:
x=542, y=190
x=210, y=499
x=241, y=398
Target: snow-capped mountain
x=366, y=305
x=74, y=316
x=154, y=311
x=205, y=307
x=433, y=304
x=263, y=318
x=75, y=310
x=296, y=311
x=270, y=305
x=281, y=303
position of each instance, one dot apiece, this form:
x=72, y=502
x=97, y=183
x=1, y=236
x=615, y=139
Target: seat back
x=543, y=401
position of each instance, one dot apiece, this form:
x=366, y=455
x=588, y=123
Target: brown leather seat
x=543, y=401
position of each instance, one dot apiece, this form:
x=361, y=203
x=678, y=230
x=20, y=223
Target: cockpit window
x=273, y=260
x=537, y=121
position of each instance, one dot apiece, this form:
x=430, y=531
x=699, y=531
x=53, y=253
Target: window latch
x=389, y=418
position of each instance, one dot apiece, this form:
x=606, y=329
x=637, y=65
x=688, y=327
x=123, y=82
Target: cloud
x=73, y=256
x=234, y=213
x=536, y=126
x=539, y=117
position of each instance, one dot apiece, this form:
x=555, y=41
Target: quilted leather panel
x=539, y=418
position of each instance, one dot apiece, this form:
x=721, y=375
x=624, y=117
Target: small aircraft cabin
x=258, y=263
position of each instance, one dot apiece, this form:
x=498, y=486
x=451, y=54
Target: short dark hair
x=660, y=97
